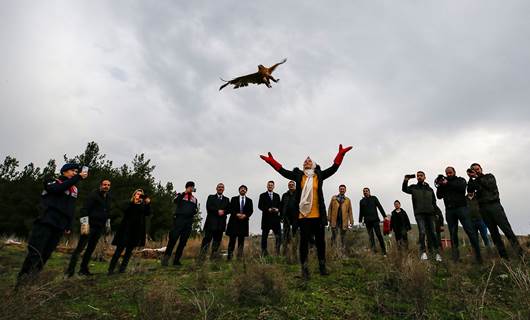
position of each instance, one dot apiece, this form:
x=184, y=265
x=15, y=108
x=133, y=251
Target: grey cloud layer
x=410, y=85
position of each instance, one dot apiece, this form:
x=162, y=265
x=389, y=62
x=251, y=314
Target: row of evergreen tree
x=20, y=191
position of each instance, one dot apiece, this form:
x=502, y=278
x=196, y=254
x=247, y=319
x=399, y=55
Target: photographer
x=452, y=190
x=96, y=209
x=131, y=232
x=484, y=188
x=185, y=211
x=58, y=204
x=424, y=205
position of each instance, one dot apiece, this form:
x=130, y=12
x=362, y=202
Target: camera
x=439, y=179
x=144, y=196
x=410, y=176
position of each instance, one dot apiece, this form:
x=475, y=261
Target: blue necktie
x=242, y=204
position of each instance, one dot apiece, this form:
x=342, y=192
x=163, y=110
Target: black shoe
x=305, y=272
x=177, y=263
x=85, y=272
x=69, y=273
x=322, y=268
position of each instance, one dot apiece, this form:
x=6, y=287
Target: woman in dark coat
x=131, y=233
x=312, y=217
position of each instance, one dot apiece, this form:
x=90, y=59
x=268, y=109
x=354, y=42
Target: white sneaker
x=424, y=256
x=438, y=257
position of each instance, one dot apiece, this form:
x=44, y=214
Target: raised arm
x=405, y=186
x=278, y=167
x=56, y=187
x=336, y=162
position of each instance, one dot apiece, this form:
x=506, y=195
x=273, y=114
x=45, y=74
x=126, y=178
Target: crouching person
x=131, y=232
x=58, y=203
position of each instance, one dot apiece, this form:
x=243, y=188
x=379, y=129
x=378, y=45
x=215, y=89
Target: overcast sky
x=410, y=84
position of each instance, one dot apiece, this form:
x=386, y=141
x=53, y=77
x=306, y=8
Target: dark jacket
x=399, y=221
x=236, y=226
x=131, y=232
x=474, y=209
x=289, y=208
x=97, y=208
x=58, y=202
x=485, y=189
x=423, y=198
x=214, y=222
x=185, y=210
x=453, y=193
x=322, y=175
x=368, y=209
x=269, y=220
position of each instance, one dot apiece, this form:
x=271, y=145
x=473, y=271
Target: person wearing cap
x=58, y=205
x=312, y=217
x=241, y=208
x=185, y=211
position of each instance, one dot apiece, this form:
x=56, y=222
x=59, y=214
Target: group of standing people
x=475, y=204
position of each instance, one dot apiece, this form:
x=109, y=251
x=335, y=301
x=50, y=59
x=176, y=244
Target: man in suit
x=240, y=210
x=217, y=208
x=269, y=204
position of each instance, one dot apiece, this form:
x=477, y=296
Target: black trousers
x=265, y=235
x=371, y=227
x=426, y=227
x=461, y=214
x=309, y=228
x=211, y=236
x=42, y=242
x=495, y=218
x=179, y=233
x=116, y=256
x=402, y=239
x=334, y=232
x=90, y=241
x=232, y=246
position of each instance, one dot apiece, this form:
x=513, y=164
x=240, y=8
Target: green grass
x=361, y=286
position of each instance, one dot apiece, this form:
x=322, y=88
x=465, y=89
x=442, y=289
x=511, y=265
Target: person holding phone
x=186, y=209
x=131, y=232
x=58, y=203
x=424, y=205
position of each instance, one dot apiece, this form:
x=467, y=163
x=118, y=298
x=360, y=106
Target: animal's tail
x=224, y=85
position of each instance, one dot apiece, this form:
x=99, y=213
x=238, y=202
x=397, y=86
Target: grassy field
x=362, y=285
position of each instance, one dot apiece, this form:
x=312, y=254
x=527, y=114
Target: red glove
x=270, y=160
x=340, y=155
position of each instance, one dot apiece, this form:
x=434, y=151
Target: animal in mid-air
x=263, y=76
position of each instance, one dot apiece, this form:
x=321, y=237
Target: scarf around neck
x=306, y=199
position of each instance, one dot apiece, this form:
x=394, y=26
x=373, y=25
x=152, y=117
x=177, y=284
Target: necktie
x=242, y=204
x=270, y=195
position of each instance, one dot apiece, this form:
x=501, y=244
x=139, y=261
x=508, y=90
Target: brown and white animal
x=263, y=76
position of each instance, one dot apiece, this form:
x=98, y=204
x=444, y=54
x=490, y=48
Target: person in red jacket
x=312, y=217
